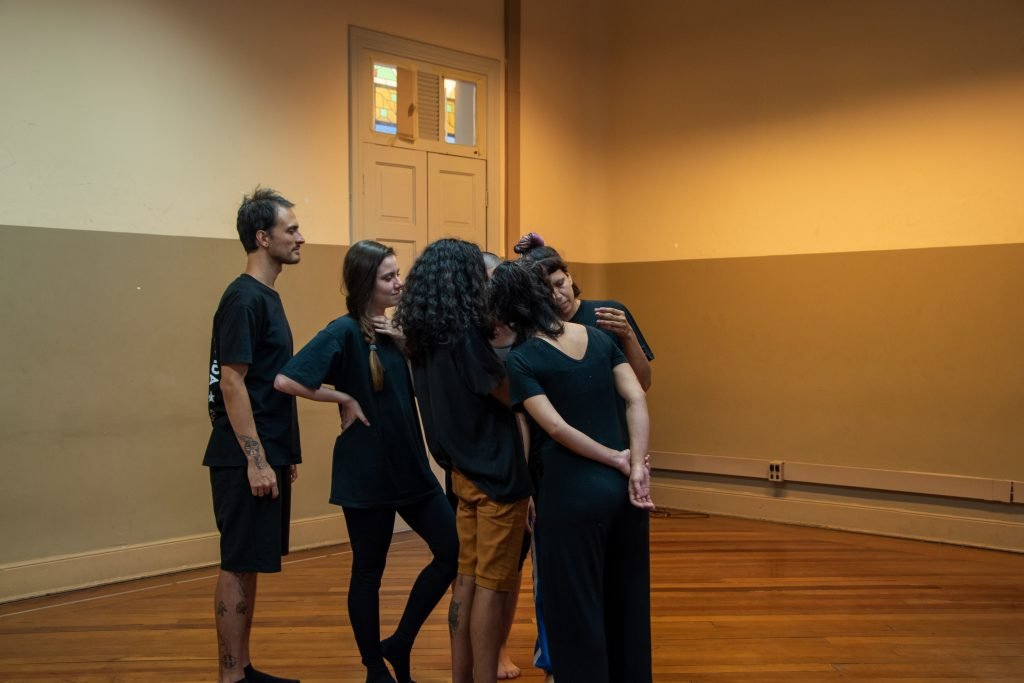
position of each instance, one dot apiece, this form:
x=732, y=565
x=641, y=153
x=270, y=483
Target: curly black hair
x=521, y=297
x=444, y=297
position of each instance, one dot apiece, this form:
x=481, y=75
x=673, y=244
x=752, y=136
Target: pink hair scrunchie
x=527, y=242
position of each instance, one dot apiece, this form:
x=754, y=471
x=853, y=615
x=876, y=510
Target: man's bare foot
x=507, y=670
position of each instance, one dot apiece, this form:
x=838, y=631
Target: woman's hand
x=640, y=487
x=383, y=325
x=614, y=320
x=350, y=412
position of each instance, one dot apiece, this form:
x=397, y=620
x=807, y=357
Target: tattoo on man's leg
x=227, y=660
x=242, y=607
x=222, y=609
x=453, y=617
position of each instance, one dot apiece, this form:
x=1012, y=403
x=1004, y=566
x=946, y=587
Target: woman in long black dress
x=380, y=465
x=593, y=499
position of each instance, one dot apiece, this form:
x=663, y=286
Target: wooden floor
x=733, y=600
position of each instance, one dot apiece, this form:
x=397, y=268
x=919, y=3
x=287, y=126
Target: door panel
x=394, y=206
x=457, y=203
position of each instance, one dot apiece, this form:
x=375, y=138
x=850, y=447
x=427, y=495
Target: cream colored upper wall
x=564, y=126
x=155, y=117
x=744, y=128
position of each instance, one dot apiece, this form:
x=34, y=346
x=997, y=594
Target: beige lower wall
x=891, y=360
x=905, y=360
x=900, y=360
x=103, y=413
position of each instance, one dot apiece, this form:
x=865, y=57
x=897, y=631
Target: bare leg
x=458, y=628
x=232, y=603
x=506, y=667
x=485, y=633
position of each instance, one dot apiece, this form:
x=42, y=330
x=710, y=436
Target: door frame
x=362, y=40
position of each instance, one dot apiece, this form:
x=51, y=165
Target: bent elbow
x=281, y=384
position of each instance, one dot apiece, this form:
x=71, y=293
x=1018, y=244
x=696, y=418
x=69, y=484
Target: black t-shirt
x=466, y=427
x=250, y=328
x=384, y=464
x=582, y=391
x=586, y=315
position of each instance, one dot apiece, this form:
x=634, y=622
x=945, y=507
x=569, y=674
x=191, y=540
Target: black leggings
x=369, y=533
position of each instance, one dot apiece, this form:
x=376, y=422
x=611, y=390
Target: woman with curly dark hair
x=593, y=498
x=380, y=467
x=463, y=395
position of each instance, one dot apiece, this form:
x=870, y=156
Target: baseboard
x=924, y=483
x=849, y=515
x=61, y=573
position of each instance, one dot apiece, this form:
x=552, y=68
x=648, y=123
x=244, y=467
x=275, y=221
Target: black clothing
x=586, y=315
x=250, y=328
x=466, y=427
x=383, y=465
x=253, y=529
x=592, y=544
x=369, y=533
x=380, y=470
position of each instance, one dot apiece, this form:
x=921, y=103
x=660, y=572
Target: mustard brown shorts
x=490, y=535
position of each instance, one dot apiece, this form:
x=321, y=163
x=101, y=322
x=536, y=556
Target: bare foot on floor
x=507, y=670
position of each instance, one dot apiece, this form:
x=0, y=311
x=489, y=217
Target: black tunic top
x=584, y=394
x=385, y=464
x=250, y=328
x=466, y=427
x=582, y=391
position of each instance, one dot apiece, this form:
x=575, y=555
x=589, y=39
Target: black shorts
x=253, y=529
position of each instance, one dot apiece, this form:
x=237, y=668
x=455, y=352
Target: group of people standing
x=532, y=401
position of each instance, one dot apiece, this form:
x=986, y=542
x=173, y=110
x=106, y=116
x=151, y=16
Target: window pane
x=385, y=88
x=460, y=111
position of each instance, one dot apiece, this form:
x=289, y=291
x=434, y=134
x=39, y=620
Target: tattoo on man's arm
x=252, y=449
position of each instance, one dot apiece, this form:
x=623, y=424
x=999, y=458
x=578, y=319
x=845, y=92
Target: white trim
x=845, y=515
x=19, y=580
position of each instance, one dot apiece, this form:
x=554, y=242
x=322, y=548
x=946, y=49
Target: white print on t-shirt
x=214, y=376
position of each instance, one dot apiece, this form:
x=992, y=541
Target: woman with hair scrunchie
x=380, y=465
x=608, y=315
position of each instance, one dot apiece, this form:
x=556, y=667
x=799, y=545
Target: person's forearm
x=581, y=444
x=239, y=409
x=287, y=385
x=639, y=424
x=637, y=360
